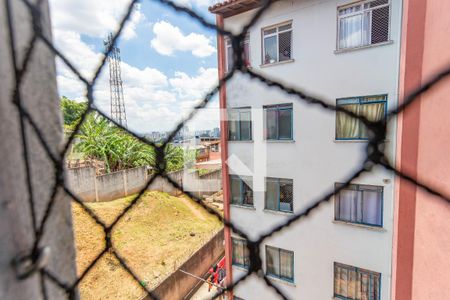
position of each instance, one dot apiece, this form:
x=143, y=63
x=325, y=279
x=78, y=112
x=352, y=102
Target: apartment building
x=283, y=153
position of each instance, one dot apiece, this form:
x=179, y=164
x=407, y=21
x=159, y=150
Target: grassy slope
x=154, y=238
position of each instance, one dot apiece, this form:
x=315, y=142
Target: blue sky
x=169, y=60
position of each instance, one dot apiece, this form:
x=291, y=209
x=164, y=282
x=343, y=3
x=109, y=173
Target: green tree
x=72, y=111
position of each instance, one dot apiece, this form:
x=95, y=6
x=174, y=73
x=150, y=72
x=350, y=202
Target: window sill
x=290, y=283
x=374, y=228
x=355, y=141
x=338, y=51
x=276, y=63
x=243, y=206
x=279, y=212
x=238, y=141
x=240, y=268
x=279, y=141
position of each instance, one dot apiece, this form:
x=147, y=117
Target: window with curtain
x=373, y=108
x=240, y=253
x=277, y=43
x=280, y=263
x=229, y=52
x=351, y=283
x=241, y=190
x=239, y=124
x=362, y=24
x=279, y=194
x=361, y=204
x=278, y=122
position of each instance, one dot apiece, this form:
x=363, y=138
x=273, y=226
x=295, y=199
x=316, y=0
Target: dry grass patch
x=155, y=237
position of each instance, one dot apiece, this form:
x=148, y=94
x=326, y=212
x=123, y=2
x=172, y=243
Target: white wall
x=314, y=160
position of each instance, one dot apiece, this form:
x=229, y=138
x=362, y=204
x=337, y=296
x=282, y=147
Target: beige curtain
x=346, y=126
x=373, y=112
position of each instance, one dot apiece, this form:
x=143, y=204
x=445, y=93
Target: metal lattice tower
x=118, y=113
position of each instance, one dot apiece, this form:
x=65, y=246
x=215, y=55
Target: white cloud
x=189, y=3
x=153, y=100
x=196, y=86
x=94, y=18
x=169, y=38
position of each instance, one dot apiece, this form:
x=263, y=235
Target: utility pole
x=118, y=113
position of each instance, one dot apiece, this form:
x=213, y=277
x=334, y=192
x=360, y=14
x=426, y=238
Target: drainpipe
x=224, y=152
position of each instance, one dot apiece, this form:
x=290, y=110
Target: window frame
x=361, y=4
x=279, y=107
x=240, y=110
x=276, y=33
x=229, y=46
x=279, y=250
x=243, y=243
x=360, y=102
x=358, y=188
x=278, y=180
x=241, y=189
x=358, y=271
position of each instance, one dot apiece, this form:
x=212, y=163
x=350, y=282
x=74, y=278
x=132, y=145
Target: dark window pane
x=272, y=261
x=229, y=58
x=270, y=49
x=247, y=194
x=285, y=124
x=233, y=125
x=285, y=45
x=235, y=187
x=271, y=124
x=271, y=194
x=245, y=126
x=286, y=195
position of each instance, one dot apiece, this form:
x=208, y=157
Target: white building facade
x=286, y=153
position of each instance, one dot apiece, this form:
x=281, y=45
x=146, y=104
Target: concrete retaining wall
x=178, y=284
x=84, y=183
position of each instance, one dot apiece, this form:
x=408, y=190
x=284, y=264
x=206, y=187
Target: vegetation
x=155, y=238
x=100, y=140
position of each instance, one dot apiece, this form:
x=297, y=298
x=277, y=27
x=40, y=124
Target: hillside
x=155, y=237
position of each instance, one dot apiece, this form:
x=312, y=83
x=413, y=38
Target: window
x=361, y=204
x=278, y=119
x=245, y=53
x=241, y=190
x=240, y=124
x=373, y=108
x=240, y=253
x=279, y=194
x=365, y=23
x=277, y=43
x=280, y=263
x=351, y=283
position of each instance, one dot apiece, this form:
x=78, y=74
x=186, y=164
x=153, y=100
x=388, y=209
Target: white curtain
x=354, y=31
x=372, y=207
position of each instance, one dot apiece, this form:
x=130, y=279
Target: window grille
x=362, y=204
x=364, y=23
x=348, y=127
x=351, y=283
x=277, y=44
